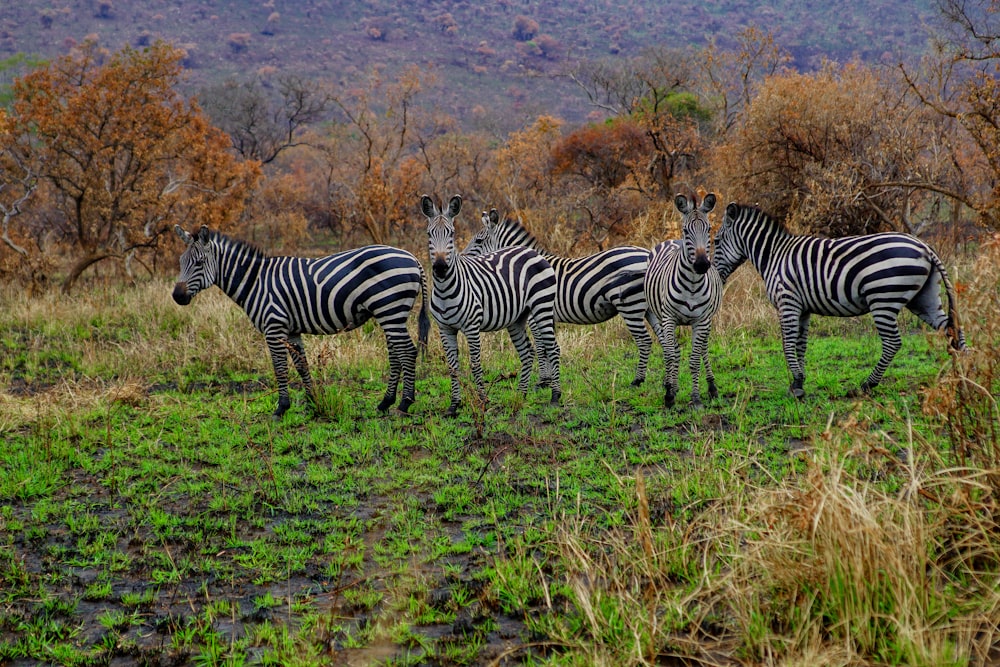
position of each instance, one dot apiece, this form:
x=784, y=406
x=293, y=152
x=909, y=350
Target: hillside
x=472, y=45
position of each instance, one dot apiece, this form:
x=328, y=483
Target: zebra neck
x=238, y=272
x=765, y=245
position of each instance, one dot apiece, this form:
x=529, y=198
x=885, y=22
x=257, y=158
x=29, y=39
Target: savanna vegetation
x=151, y=511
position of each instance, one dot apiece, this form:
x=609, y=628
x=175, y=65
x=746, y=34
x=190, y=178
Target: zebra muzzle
x=702, y=263
x=440, y=267
x=181, y=295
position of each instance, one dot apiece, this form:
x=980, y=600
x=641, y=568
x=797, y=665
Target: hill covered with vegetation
x=507, y=53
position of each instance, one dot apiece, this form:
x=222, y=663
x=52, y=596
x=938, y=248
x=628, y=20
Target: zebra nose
x=701, y=262
x=181, y=295
x=440, y=266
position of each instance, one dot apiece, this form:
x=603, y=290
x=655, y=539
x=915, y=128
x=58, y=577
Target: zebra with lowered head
x=845, y=277
x=508, y=289
x=683, y=288
x=589, y=290
x=286, y=297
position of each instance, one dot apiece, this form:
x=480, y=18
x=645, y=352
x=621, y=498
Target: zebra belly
x=601, y=311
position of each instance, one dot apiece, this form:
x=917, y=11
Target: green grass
x=151, y=509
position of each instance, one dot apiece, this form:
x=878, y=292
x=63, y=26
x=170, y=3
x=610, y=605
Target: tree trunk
x=80, y=266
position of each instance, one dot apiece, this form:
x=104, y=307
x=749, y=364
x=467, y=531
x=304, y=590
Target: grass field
x=152, y=512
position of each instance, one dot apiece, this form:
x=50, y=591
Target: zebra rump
x=844, y=277
x=286, y=297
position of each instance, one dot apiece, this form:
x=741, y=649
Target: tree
x=372, y=151
x=653, y=90
x=17, y=182
x=262, y=125
x=838, y=152
x=959, y=82
x=123, y=156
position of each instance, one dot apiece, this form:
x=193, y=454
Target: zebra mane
x=514, y=227
x=757, y=213
x=244, y=248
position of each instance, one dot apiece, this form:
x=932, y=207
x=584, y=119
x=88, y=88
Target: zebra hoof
x=452, y=411
x=713, y=393
x=404, y=405
x=283, y=405
x=638, y=382
x=697, y=405
x=556, y=397
x=798, y=392
x=386, y=404
x=668, y=400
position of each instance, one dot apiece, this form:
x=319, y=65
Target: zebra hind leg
x=526, y=354
x=279, y=347
x=643, y=342
x=888, y=331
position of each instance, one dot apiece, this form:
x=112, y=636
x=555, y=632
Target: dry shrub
x=966, y=395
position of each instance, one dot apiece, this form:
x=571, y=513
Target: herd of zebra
x=503, y=279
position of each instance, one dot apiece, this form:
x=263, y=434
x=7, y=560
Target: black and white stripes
x=845, y=277
x=683, y=288
x=286, y=297
x=507, y=289
x=590, y=289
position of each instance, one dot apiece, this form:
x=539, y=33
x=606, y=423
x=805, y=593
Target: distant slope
x=471, y=44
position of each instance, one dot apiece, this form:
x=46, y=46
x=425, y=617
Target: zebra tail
x=423, y=319
x=953, y=328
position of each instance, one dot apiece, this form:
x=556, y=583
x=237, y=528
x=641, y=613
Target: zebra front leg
x=449, y=341
x=279, y=347
x=888, y=331
x=472, y=336
x=699, y=352
x=671, y=362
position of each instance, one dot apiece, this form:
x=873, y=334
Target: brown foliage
x=837, y=152
x=603, y=154
x=525, y=28
x=123, y=156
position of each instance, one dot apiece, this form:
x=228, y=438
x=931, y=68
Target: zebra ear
x=203, y=234
x=494, y=217
x=183, y=235
x=428, y=207
x=454, y=206
x=732, y=211
x=708, y=203
x=682, y=204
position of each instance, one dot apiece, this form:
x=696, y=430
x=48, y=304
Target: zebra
x=590, y=289
x=845, y=277
x=684, y=288
x=286, y=297
x=506, y=289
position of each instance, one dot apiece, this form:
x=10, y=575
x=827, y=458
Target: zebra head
x=696, y=231
x=730, y=248
x=485, y=241
x=441, y=233
x=198, y=265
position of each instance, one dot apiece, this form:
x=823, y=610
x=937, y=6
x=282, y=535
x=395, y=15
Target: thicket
x=100, y=155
